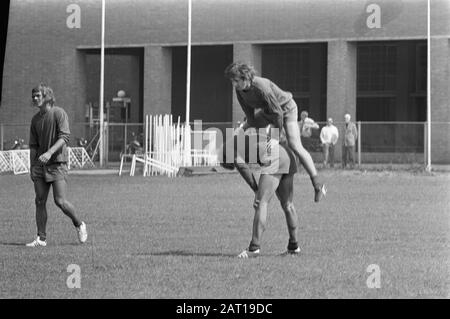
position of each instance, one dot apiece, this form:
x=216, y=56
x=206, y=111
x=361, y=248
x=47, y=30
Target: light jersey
x=265, y=95
x=46, y=129
x=273, y=157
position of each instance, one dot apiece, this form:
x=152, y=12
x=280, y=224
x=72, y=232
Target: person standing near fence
x=350, y=137
x=278, y=107
x=307, y=124
x=49, y=135
x=329, y=136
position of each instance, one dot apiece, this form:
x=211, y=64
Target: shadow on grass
x=183, y=253
x=24, y=244
x=12, y=244
x=192, y=254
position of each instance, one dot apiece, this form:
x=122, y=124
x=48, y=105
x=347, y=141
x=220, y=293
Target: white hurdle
x=160, y=156
x=79, y=158
x=167, y=147
x=16, y=161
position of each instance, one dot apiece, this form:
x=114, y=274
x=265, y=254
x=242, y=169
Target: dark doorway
x=124, y=71
x=302, y=70
x=211, y=93
x=391, y=87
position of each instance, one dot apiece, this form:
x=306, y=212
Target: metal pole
x=125, y=129
x=106, y=124
x=188, y=77
x=102, y=82
x=428, y=168
x=1, y=136
x=187, y=148
x=359, y=144
x=425, y=147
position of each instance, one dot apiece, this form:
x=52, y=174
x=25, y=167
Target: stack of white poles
x=164, y=145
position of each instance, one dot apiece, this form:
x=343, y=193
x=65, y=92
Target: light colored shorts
x=291, y=112
x=277, y=159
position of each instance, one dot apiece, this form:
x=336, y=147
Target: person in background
x=350, y=137
x=307, y=124
x=329, y=136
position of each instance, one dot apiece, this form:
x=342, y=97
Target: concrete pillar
x=440, y=97
x=248, y=53
x=157, y=80
x=341, y=86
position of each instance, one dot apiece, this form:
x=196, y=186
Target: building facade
x=365, y=58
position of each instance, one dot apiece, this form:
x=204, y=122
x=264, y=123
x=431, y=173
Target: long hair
x=240, y=70
x=47, y=93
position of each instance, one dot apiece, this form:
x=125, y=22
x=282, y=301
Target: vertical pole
x=102, y=82
x=359, y=144
x=187, y=149
x=125, y=129
x=188, y=76
x=106, y=137
x=1, y=136
x=425, y=144
x=428, y=168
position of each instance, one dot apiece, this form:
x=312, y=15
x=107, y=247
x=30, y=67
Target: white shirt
x=329, y=134
x=306, y=126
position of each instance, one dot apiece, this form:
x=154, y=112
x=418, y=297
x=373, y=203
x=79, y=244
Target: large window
x=211, y=92
x=377, y=68
x=391, y=87
x=302, y=70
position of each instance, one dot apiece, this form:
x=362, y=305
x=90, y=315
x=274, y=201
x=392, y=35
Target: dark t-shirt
x=265, y=95
x=45, y=130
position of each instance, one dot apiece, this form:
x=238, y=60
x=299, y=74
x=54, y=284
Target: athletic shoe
x=82, y=232
x=249, y=254
x=291, y=252
x=320, y=193
x=37, y=242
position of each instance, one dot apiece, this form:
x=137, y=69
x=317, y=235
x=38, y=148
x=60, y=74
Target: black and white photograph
x=225, y=154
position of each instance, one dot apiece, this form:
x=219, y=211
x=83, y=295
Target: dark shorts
x=49, y=173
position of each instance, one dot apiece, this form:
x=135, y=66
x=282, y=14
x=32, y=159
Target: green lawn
x=157, y=237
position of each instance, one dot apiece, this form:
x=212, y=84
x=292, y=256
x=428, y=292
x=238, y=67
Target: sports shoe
x=37, y=242
x=320, y=193
x=291, y=252
x=249, y=254
x=82, y=232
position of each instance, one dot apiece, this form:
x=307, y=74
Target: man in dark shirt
x=278, y=107
x=49, y=135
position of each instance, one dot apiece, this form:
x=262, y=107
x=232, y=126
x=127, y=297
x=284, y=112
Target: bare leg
x=331, y=155
x=326, y=150
x=41, y=188
x=59, y=195
x=247, y=175
x=285, y=194
x=266, y=189
x=295, y=143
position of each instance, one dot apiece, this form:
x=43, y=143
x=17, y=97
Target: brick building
x=366, y=58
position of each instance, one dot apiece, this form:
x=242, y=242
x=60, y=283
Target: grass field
x=178, y=238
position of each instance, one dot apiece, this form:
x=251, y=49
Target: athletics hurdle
x=16, y=161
